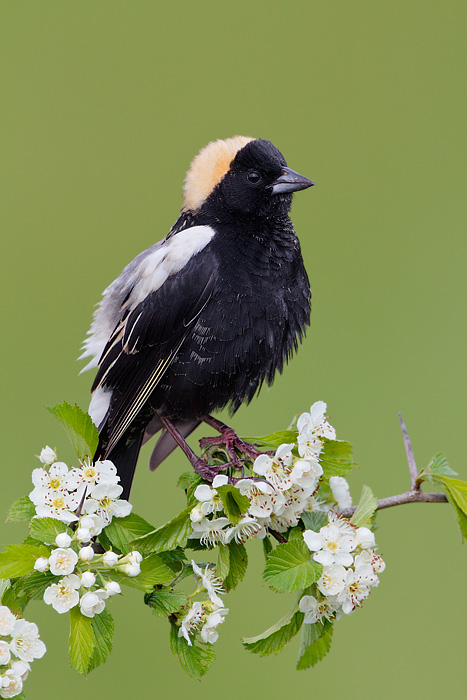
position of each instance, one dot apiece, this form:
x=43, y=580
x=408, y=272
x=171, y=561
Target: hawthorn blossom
x=356, y=588
x=92, y=473
x=112, y=588
x=63, y=596
x=63, y=540
x=7, y=621
x=56, y=479
x=56, y=504
x=5, y=653
x=208, y=496
x=331, y=581
x=276, y=470
x=210, y=581
x=243, y=530
x=88, y=579
x=312, y=427
x=365, y=538
x=317, y=610
x=105, y=502
x=25, y=642
x=110, y=558
x=63, y=561
x=262, y=496
x=11, y=684
x=47, y=455
x=330, y=545
x=341, y=492
x=92, y=603
x=209, y=631
x=210, y=532
x=191, y=622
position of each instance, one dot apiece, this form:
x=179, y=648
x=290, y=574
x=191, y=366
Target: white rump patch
x=208, y=168
x=99, y=405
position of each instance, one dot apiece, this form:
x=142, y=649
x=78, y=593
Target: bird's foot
x=233, y=444
x=208, y=472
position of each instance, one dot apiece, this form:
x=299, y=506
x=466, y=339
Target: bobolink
x=201, y=319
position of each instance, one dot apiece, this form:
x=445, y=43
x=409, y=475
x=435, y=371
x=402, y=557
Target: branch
x=413, y=496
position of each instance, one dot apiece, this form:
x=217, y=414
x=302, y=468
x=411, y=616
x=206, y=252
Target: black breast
x=250, y=327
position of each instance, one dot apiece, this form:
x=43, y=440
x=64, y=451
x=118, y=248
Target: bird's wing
x=151, y=330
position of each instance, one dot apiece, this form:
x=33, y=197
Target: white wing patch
x=99, y=405
x=145, y=274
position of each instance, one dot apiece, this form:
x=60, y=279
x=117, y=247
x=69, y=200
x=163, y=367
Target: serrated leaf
x=295, y=533
x=268, y=442
x=336, y=458
x=121, y=531
x=438, y=466
x=184, y=480
x=195, y=659
x=165, y=601
x=456, y=492
x=274, y=639
x=153, y=572
x=167, y=537
x=34, y=584
x=81, y=641
x=316, y=642
x=223, y=561
x=314, y=520
x=79, y=427
x=238, y=564
x=22, y=510
x=103, y=629
x=290, y=567
x=267, y=546
x=235, y=504
x=46, y=529
x=14, y=599
x=364, y=515
x=19, y=559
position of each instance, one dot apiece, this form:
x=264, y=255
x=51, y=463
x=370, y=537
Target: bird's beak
x=290, y=181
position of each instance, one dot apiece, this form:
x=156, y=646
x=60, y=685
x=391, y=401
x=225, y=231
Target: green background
x=103, y=106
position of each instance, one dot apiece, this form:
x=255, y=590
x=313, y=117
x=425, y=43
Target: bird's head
x=244, y=175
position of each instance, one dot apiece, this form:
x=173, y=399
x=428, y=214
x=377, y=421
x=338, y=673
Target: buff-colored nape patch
x=208, y=168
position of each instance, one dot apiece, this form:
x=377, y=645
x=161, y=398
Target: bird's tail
x=125, y=456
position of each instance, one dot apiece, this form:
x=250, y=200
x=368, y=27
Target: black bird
x=201, y=319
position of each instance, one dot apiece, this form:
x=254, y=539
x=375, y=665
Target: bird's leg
x=229, y=438
x=200, y=465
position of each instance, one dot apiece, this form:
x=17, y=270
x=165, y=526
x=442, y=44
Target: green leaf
x=122, y=531
x=274, y=440
x=165, y=601
x=46, y=529
x=336, y=458
x=184, y=480
x=290, y=567
x=81, y=642
x=103, y=629
x=194, y=482
x=33, y=585
x=456, y=492
x=274, y=639
x=235, y=504
x=316, y=642
x=238, y=564
x=79, y=427
x=438, y=467
x=169, y=536
x=295, y=533
x=223, y=561
x=19, y=559
x=153, y=572
x=364, y=515
x=195, y=659
x=267, y=546
x=22, y=510
x=314, y=520
x=14, y=599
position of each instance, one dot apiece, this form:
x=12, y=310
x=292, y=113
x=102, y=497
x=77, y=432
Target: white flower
x=312, y=427
x=341, y=492
x=21, y=668
x=104, y=501
x=134, y=557
x=365, y=538
x=332, y=579
x=316, y=610
x=260, y=495
x=63, y=596
x=356, y=588
x=41, y=564
x=244, y=530
x=25, y=643
x=208, y=496
x=11, y=684
x=91, y=474
x=196, y=514
x=47, y=455
x=86, y=553
x=92, y=603
x=210, y=532
x=276, y=470
x=110, y=558
x=191, y=622
x=93, y=523
x=130, y=570
x=56, y=479
x=210, y=581
x=63, y=540
x=306, y=473
x=56, y=504
x=88, y=579
x=209, y=631
x=113, y=588
x=7, y=621
x=63, y=561
x=83, y=534
x=5, y=654
x=331, y=545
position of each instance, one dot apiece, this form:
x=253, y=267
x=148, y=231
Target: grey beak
x=290, y=181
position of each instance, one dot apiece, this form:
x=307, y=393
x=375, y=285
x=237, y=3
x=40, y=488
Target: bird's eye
x=254, y=177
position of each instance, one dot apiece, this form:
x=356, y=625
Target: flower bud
x=83, y=534
x=86, y=553
x=63, y=540
x=113, y=588
x=135, y=557
x=41, y=564
x=47, y=455
x=130, y=569
x=88, y=579
x=110, y=558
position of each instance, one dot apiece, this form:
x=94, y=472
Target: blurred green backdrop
x=103, y=106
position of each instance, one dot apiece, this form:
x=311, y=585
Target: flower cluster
x=283, y=486
x=350, y=568
x=19, y=646
x=91, y=489
x=206, y=616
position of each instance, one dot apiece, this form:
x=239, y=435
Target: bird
x=203, y=318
